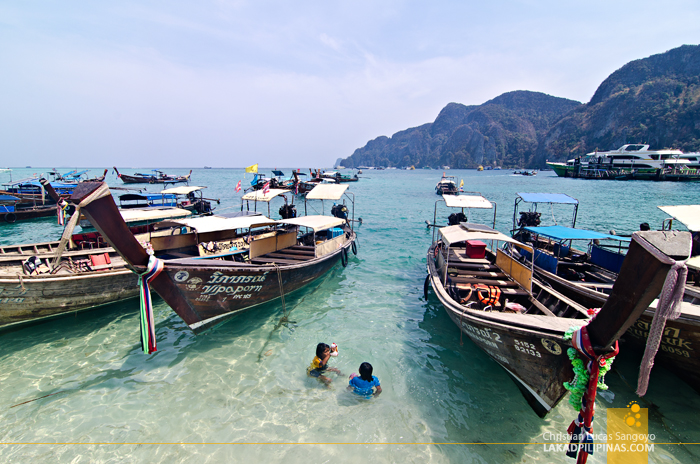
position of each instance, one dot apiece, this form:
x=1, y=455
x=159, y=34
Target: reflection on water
x=246, y=382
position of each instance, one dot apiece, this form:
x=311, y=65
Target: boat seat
x=264, y=260
x=493, y=282
x=302, y=248
x=475, y=266
x=487, y=274
x=294, y=251
x=289, y=256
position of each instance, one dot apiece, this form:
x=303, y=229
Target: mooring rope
x=279, y=279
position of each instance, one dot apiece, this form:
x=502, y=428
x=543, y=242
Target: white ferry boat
x=630, y=156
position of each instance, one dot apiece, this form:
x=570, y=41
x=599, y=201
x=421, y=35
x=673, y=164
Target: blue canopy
x=8, y=198
x=548, y=198
x=568, y=233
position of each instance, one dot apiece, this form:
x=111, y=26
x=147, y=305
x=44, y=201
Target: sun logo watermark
x=634, y=416
x=629, y=441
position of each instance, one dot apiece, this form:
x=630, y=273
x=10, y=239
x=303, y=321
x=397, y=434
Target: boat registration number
x=525, y=347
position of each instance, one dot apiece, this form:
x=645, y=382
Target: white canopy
x=327, y=192
x=467, y=201
x=184, y=190
x=258, y=195
x=467, y=231
x=153, y=214
x=217, y=223
x=689, y=215
x=315, y=222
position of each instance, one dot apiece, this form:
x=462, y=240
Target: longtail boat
x=679, y=346
x=272, y=260
x=494, y=300
x=447, y=185
x=158, y=177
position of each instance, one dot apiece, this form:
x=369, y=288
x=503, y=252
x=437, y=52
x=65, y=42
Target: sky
x=230, y=83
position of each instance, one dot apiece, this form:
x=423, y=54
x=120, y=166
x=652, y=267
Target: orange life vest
x=488, y=295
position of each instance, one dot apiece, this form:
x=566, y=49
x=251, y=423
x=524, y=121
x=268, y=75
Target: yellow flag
x=253, y=168
x=461, y=184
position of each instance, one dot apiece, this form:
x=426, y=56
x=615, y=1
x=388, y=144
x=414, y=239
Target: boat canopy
x=569, y=233
x=184, y=190
x=153, y=214
x=259, y=195
x=689, y=215
x=467, y=201
x=146, y=197
x=278, y=173
x=8, y=198
x=557, y=198
x=316, y=222
x=468, y=231
x=217, y=223
x=327, y=192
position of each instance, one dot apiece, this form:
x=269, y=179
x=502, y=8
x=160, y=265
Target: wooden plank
x=475, y=266
x=493, y=275
x=262, y=260
x=497, y=283
x=299, y=252
x=288, y=256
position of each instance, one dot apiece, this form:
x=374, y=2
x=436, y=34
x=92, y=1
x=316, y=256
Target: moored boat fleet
x=524, y=297
x=521, y=297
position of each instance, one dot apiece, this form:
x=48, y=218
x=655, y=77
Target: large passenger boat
x=626, y=158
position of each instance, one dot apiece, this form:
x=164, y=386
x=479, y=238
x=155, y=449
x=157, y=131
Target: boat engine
x=340, y=211
x=288, y=211
x=529, y=219
x=456, y=218
x=202, y=207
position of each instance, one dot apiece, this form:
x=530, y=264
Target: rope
x=668, y=307
x=101, y=191
x=279, y=279
x=148, y=327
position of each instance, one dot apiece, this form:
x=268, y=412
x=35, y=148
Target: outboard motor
x=529, y=219
x=456, y=218
x=340, y=211
x=288, y=211
x=202, y=207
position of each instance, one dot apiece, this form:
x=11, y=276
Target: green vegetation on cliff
x=655, y=100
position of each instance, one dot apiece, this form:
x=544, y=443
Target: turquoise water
x=240, y=392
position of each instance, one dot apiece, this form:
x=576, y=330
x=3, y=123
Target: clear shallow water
x=245, y=381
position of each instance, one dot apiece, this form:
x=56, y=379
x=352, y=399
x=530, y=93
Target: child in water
x=364, y=383
x=319, y=365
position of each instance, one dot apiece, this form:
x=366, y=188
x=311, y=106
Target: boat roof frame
x=546, y=198
x=479, y=202
x=334, y=192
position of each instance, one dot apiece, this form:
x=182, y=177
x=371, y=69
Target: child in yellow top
x=319, y=365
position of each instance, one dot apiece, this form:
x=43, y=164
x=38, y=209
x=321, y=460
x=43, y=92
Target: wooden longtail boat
x=206, y=291
x=11, y=211
x=680, y=345
x=494, y=301
x=159, y=177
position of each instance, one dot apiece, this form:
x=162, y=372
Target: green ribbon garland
x=578, y=385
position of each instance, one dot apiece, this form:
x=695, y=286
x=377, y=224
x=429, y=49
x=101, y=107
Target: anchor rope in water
x=148, y=327
x=668, y=307
x=279, y=279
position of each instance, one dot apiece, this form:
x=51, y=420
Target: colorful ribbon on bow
x=581, y=430
x=61, y=209
x=148, y=327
